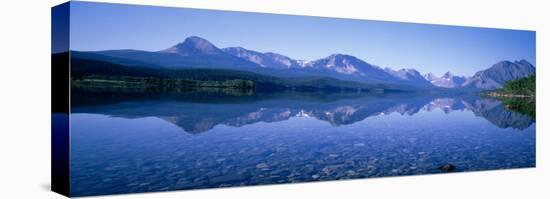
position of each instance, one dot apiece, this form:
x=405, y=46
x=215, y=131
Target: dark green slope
x=524, y=86
x=518, y=95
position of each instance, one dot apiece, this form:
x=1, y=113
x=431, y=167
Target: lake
x=123, y=143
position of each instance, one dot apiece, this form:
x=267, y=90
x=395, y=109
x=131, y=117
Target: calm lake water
x=126, y=143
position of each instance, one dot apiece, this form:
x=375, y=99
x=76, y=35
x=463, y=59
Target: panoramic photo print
x=174, y=98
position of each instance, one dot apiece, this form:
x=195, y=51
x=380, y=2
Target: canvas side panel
x=60, y=84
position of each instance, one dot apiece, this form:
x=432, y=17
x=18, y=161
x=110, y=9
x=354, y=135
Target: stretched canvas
x=148, y=98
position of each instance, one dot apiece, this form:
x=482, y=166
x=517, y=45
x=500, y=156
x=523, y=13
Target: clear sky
x=427, y=48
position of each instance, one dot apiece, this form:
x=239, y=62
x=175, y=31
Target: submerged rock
x=447, y=168
x=262, y=166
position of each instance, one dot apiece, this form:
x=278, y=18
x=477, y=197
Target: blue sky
x=427, y=48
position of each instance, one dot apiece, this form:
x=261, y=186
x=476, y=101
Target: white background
x=25, y=99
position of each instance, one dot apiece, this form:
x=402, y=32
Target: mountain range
x=196, y=52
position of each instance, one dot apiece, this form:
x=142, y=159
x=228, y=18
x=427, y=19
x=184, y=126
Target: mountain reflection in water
x=200, y=113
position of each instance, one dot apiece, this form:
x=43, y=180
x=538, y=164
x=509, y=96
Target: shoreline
x=504, y=95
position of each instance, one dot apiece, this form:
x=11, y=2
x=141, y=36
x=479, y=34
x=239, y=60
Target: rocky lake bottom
x=123, y=148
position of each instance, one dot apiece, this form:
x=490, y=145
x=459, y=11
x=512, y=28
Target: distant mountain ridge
x=196, y=52
x=448, y=80
x=266, y=60
x=412, y=76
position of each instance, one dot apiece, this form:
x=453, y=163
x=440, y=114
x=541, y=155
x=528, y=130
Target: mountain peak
x=195, y=39
x=408, y=70
x=448, y=75
x=194, y=45
x=430, y=76
x=505, y=62
x=343, y=56
x=523, y=62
